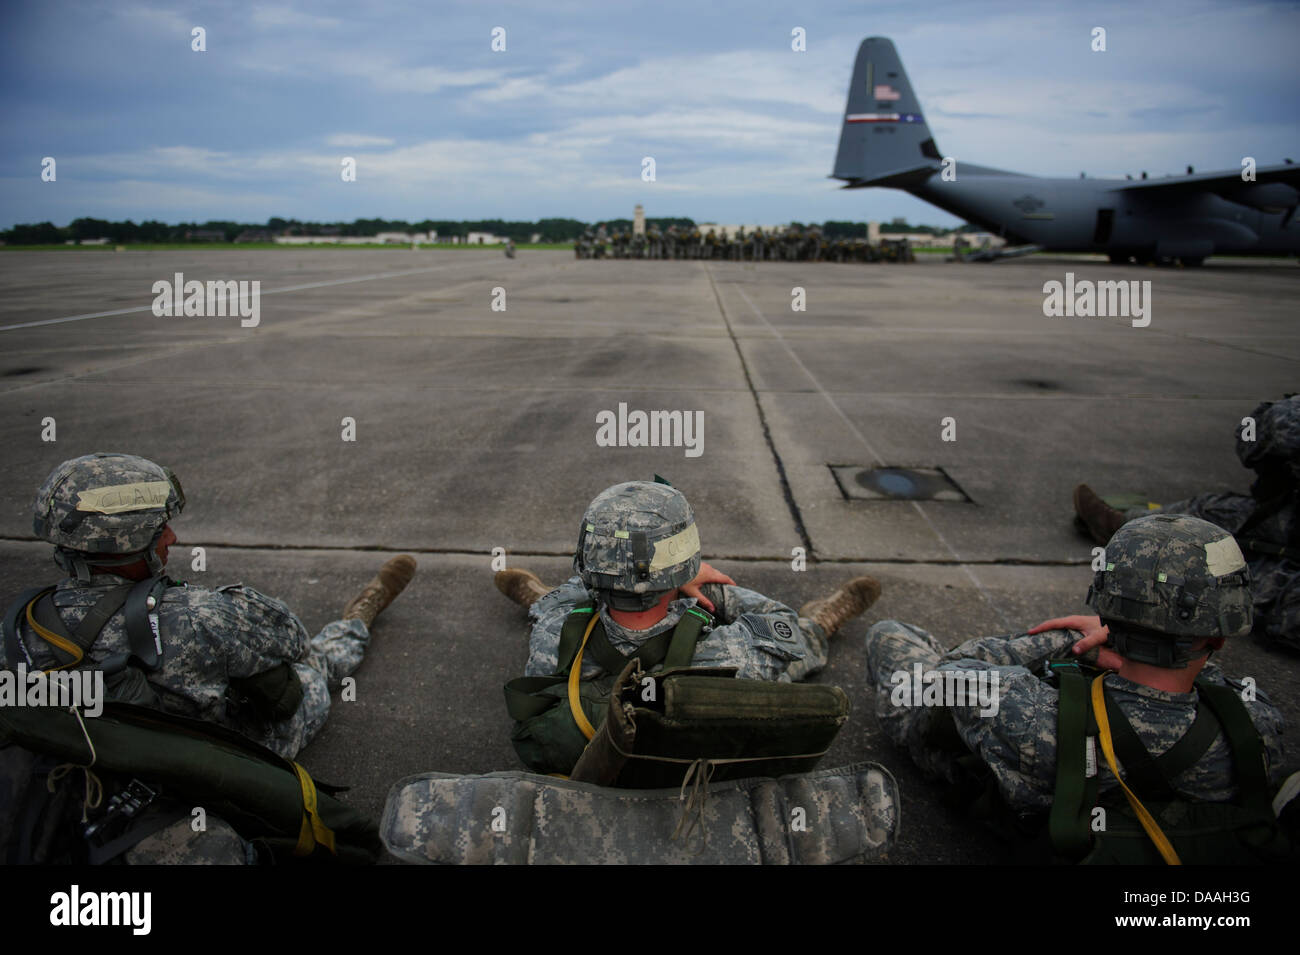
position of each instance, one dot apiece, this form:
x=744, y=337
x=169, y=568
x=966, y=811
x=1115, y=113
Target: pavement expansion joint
x=568, y=554
x=786, y=491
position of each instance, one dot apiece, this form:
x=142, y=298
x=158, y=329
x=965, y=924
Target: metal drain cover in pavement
x=896, y=484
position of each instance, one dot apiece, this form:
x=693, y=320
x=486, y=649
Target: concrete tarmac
x=476, y=429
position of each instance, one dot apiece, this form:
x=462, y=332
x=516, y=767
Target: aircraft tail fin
x=884, y=140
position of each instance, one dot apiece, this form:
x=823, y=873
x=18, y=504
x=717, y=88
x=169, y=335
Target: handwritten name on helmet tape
x=673, y=550
x=120, y=498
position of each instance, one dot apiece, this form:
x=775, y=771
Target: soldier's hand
x=707, y=575
x=1095, y=637
x=1084, y=624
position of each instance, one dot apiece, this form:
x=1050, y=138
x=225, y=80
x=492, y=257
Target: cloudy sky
x=741, y=127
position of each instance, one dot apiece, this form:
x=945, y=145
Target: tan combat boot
x=522, y=586
x=379, y=593
x=831, y=613
x=1100, y=518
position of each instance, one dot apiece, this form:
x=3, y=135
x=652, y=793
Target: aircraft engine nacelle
x=1182, y=238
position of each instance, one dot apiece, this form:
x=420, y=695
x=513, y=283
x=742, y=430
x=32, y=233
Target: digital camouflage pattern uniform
x=637, y=541
x=852, y=815
x=745, y=636
x=211, y=637
x=179, y=844
x=1266, y=522
x=1018, y=743
x=113, y=508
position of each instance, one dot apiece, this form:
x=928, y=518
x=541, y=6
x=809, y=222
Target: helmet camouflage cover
x=637, y=540
x=106, y=504
x=1277, y=435
x=1168, y=580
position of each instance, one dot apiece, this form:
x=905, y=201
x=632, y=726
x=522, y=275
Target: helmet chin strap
x=629, y=602
x=1156, y=649
x=81, y=564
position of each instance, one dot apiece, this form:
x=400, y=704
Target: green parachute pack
x=646, y=729
x=270, y=801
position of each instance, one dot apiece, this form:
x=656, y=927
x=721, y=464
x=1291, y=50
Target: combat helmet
x=1277, y=436
x=106, y=510
x=1168, y=581
x=637, y=540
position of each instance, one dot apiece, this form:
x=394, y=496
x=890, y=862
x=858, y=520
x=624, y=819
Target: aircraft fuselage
x=1099, y=215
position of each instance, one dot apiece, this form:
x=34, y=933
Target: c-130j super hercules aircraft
x=885, y=142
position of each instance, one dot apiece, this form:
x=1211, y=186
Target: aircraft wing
x=1230, y=181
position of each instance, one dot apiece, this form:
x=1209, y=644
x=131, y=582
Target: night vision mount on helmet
x=1168, y=581
x=637, y=541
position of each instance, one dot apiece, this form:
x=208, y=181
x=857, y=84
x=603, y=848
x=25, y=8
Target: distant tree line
x=549, y=230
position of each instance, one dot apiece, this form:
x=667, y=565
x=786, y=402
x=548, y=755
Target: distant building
x=102, y=240
x=638, y=220
x=945, y=241
x=254, y=235
x=205, y=235
x=484, y=238
x=535, y=238
x=727, y=231
x=324, y=239
x=331, y=237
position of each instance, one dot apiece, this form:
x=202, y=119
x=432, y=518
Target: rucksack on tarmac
x=270, y=801
x=844, y=815
x=1145, y=821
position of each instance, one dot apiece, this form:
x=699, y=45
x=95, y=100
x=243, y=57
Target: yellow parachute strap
x=314, y=832
x=1152, y=828
x=575, y=675
x=49, y=636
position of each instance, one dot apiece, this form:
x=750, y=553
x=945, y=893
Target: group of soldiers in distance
x=791, y=244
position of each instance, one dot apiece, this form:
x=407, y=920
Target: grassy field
x=231, y=246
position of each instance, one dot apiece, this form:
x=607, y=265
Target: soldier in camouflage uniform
x=231, y=656
x=691, y=240
x=736, y=248
x=792, y=244
x=812, y=246
x=1265, y=522
x=761, y=637
x=582, y=248
x=1158, y=568
x=654, y=242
